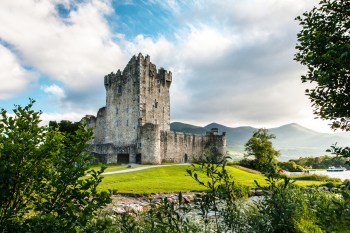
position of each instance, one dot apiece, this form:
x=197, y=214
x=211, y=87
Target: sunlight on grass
x=167, y=179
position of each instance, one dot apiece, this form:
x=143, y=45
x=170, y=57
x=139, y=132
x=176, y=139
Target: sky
x=232, y=61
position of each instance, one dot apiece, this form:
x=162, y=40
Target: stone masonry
x=134, y=126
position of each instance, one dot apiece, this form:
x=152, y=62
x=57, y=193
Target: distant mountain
x=187, y=128
x=292, y=140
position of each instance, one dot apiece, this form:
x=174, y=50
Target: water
x=342, y=175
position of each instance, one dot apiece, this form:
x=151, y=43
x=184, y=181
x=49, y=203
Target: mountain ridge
x=292, y=139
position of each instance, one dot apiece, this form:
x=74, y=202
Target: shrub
x=42, y=183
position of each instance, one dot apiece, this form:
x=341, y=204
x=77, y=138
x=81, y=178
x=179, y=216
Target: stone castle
x=134, y=126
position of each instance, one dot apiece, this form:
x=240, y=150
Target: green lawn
x=171, y=179
x=166, y=179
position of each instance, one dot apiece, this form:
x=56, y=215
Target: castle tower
x=136, y=96
x=134, y=126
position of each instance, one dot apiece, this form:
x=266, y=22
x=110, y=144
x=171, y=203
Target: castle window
x=158, y=90
x=163, y=109
x=156, y=105
x=139, y=145
x=127, y=122
x=119, y=89
x=139, y=113
x=156, y=122
x=117, y=111
x=158, y=80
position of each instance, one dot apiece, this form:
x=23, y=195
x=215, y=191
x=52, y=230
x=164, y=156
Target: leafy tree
x=260, y=146
x=290, y=166
x=42, y=183
x=66, y=127
x=324, y=46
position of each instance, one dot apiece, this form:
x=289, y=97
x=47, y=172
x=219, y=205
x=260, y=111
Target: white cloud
x=78, y=50
x=55, y=90
x=232, y=61
x=47, y=117
x=14, y=78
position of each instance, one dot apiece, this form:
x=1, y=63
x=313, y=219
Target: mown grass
x=174, y=179
x=167, y=179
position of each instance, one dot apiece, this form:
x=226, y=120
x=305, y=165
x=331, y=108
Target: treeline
x=322, y=162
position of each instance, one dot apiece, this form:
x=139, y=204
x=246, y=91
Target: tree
x=261, y=148
x=290, y=166
x=324, y=46
x=67, y=127
x=43, y=187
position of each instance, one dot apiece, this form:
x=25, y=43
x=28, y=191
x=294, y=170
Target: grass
x=247, y=169
x=174, y=179
x=114, y=167
x=167, y=179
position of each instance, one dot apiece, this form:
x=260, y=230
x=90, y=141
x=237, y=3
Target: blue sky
x=232, y=61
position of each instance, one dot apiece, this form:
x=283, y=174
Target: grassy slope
x=171, y=179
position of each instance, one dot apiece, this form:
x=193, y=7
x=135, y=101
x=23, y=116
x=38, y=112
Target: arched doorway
x=185, y=158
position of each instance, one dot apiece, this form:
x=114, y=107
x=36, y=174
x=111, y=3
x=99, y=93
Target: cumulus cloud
x=14, y=78
x=76, y=50
x=55, y=90
x=232, y=61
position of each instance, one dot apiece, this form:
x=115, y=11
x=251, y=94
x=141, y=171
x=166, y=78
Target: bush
x=42, y=183
x=290, y=166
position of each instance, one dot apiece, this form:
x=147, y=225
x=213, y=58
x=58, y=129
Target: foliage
x=322, y=162
x=283, y=208
x=290, y=166
x=324, y=45
x=66, y=127
x=261, y=148
x=40, y=185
